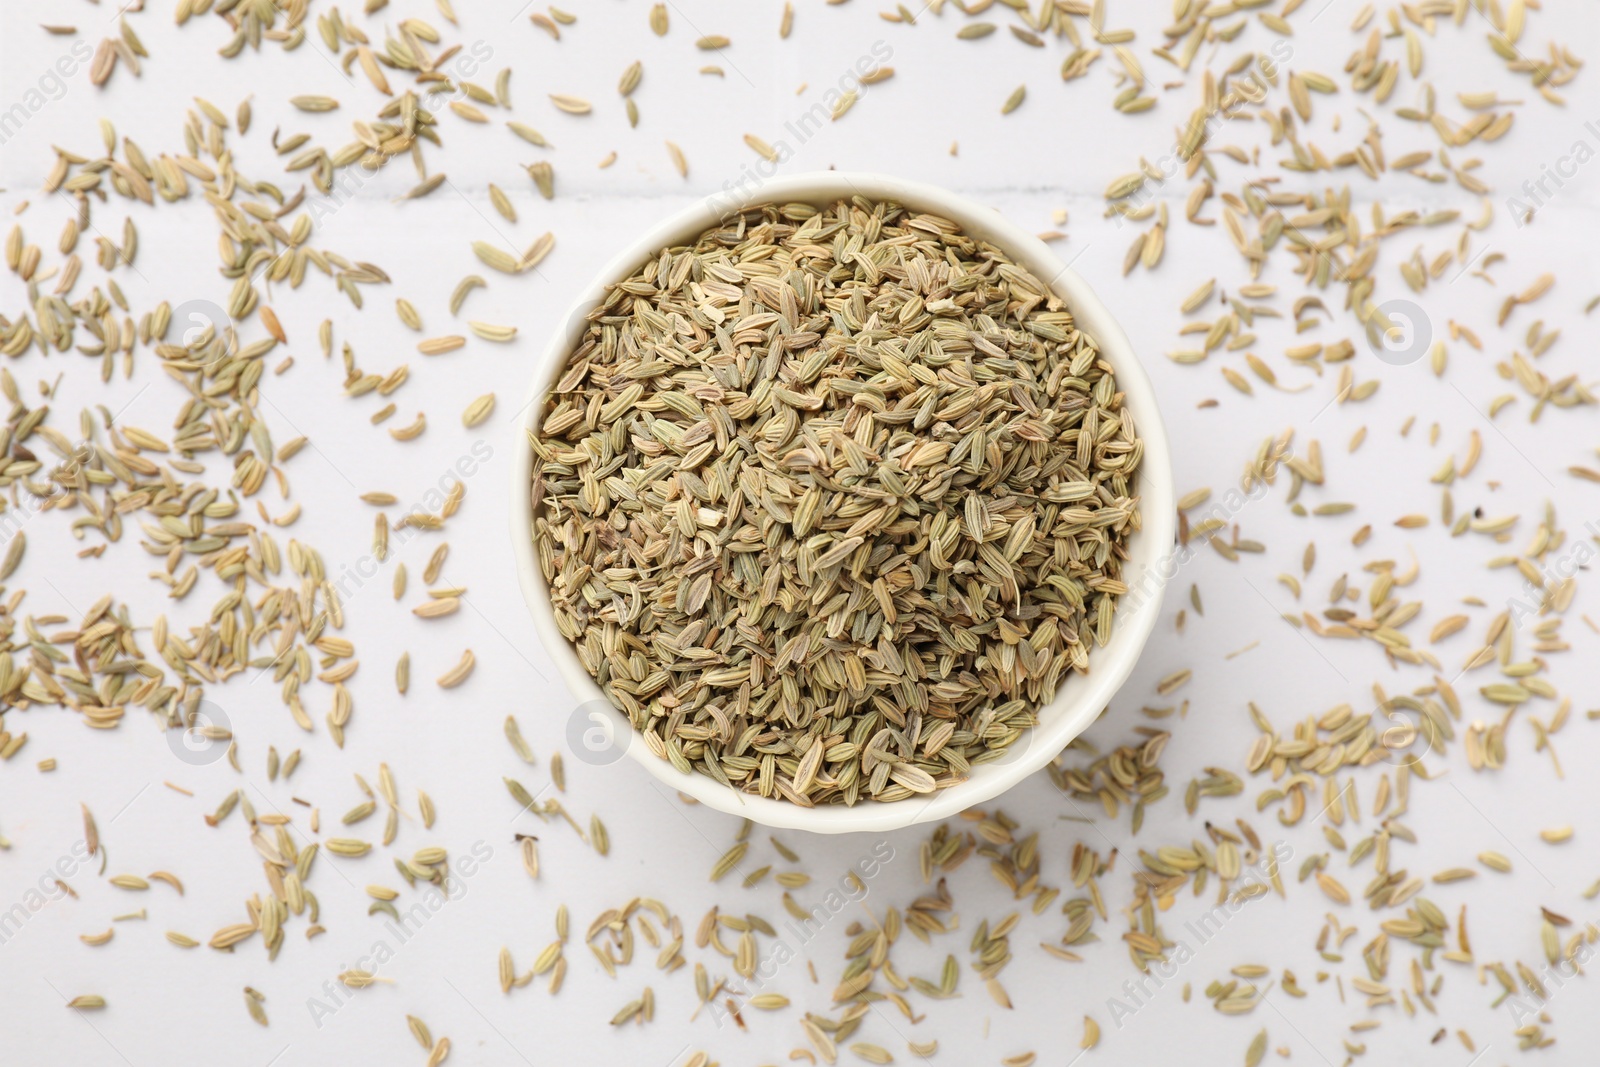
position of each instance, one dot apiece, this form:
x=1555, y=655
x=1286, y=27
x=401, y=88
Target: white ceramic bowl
x=1079, y=699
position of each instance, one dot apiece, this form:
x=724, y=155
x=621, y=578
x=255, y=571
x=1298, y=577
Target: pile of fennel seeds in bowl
x=830, y=502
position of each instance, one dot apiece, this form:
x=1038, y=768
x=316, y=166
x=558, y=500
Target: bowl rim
x=1079, y=700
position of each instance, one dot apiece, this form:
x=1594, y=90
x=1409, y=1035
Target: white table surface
x=1057, y=152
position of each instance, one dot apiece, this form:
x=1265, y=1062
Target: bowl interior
x=1079, y=699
